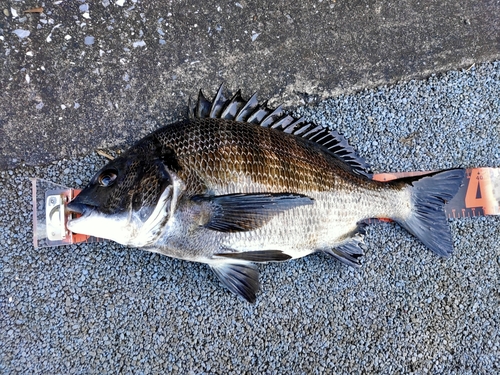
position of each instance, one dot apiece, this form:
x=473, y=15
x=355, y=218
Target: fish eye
x=107, y=178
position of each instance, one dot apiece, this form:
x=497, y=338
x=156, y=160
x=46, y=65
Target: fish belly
x=330, y=221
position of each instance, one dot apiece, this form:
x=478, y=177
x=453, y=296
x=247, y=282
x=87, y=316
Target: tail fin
x=428, y=221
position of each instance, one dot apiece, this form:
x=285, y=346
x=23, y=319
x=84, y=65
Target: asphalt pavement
x=430, y=100
x=103, y=308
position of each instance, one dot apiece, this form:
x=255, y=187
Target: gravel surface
x=104, y=308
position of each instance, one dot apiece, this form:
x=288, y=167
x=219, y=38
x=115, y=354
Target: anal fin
x=350, y=252
x=241, y=278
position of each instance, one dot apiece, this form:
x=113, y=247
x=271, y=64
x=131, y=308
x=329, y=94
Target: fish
x=238, y=183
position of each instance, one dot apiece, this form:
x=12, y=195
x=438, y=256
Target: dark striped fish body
x=239, y=183
x=242, y=158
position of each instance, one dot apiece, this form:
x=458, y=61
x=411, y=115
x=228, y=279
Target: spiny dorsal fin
x=239, y=109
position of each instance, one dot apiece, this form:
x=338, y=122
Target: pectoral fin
x=244, y=212
x=240, y=278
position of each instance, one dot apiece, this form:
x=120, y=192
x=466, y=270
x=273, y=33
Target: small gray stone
x=89, y=40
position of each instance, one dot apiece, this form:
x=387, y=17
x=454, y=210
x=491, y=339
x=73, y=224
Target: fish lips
x=76, y=207
x=83, y=210
x=82, y=204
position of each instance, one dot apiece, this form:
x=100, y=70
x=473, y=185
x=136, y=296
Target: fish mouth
x=77, y=207
x=80, y=211
x=83, y=203
x=89, y=220
x=79, y=215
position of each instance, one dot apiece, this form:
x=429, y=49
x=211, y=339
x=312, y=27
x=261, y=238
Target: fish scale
x=280, y=162
x=304, y=230
x=257, y=185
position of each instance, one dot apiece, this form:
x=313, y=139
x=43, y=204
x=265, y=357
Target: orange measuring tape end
x=479, y=194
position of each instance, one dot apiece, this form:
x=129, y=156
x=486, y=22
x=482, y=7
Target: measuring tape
x=50, y=216
x=479, y=194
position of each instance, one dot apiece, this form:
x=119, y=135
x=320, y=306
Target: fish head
x=127, y=201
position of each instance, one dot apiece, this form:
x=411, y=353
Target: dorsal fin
x=239, y=109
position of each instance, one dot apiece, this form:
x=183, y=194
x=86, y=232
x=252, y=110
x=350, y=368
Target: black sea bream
x=239, y=183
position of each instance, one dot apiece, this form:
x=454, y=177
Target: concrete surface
x=98, y=73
